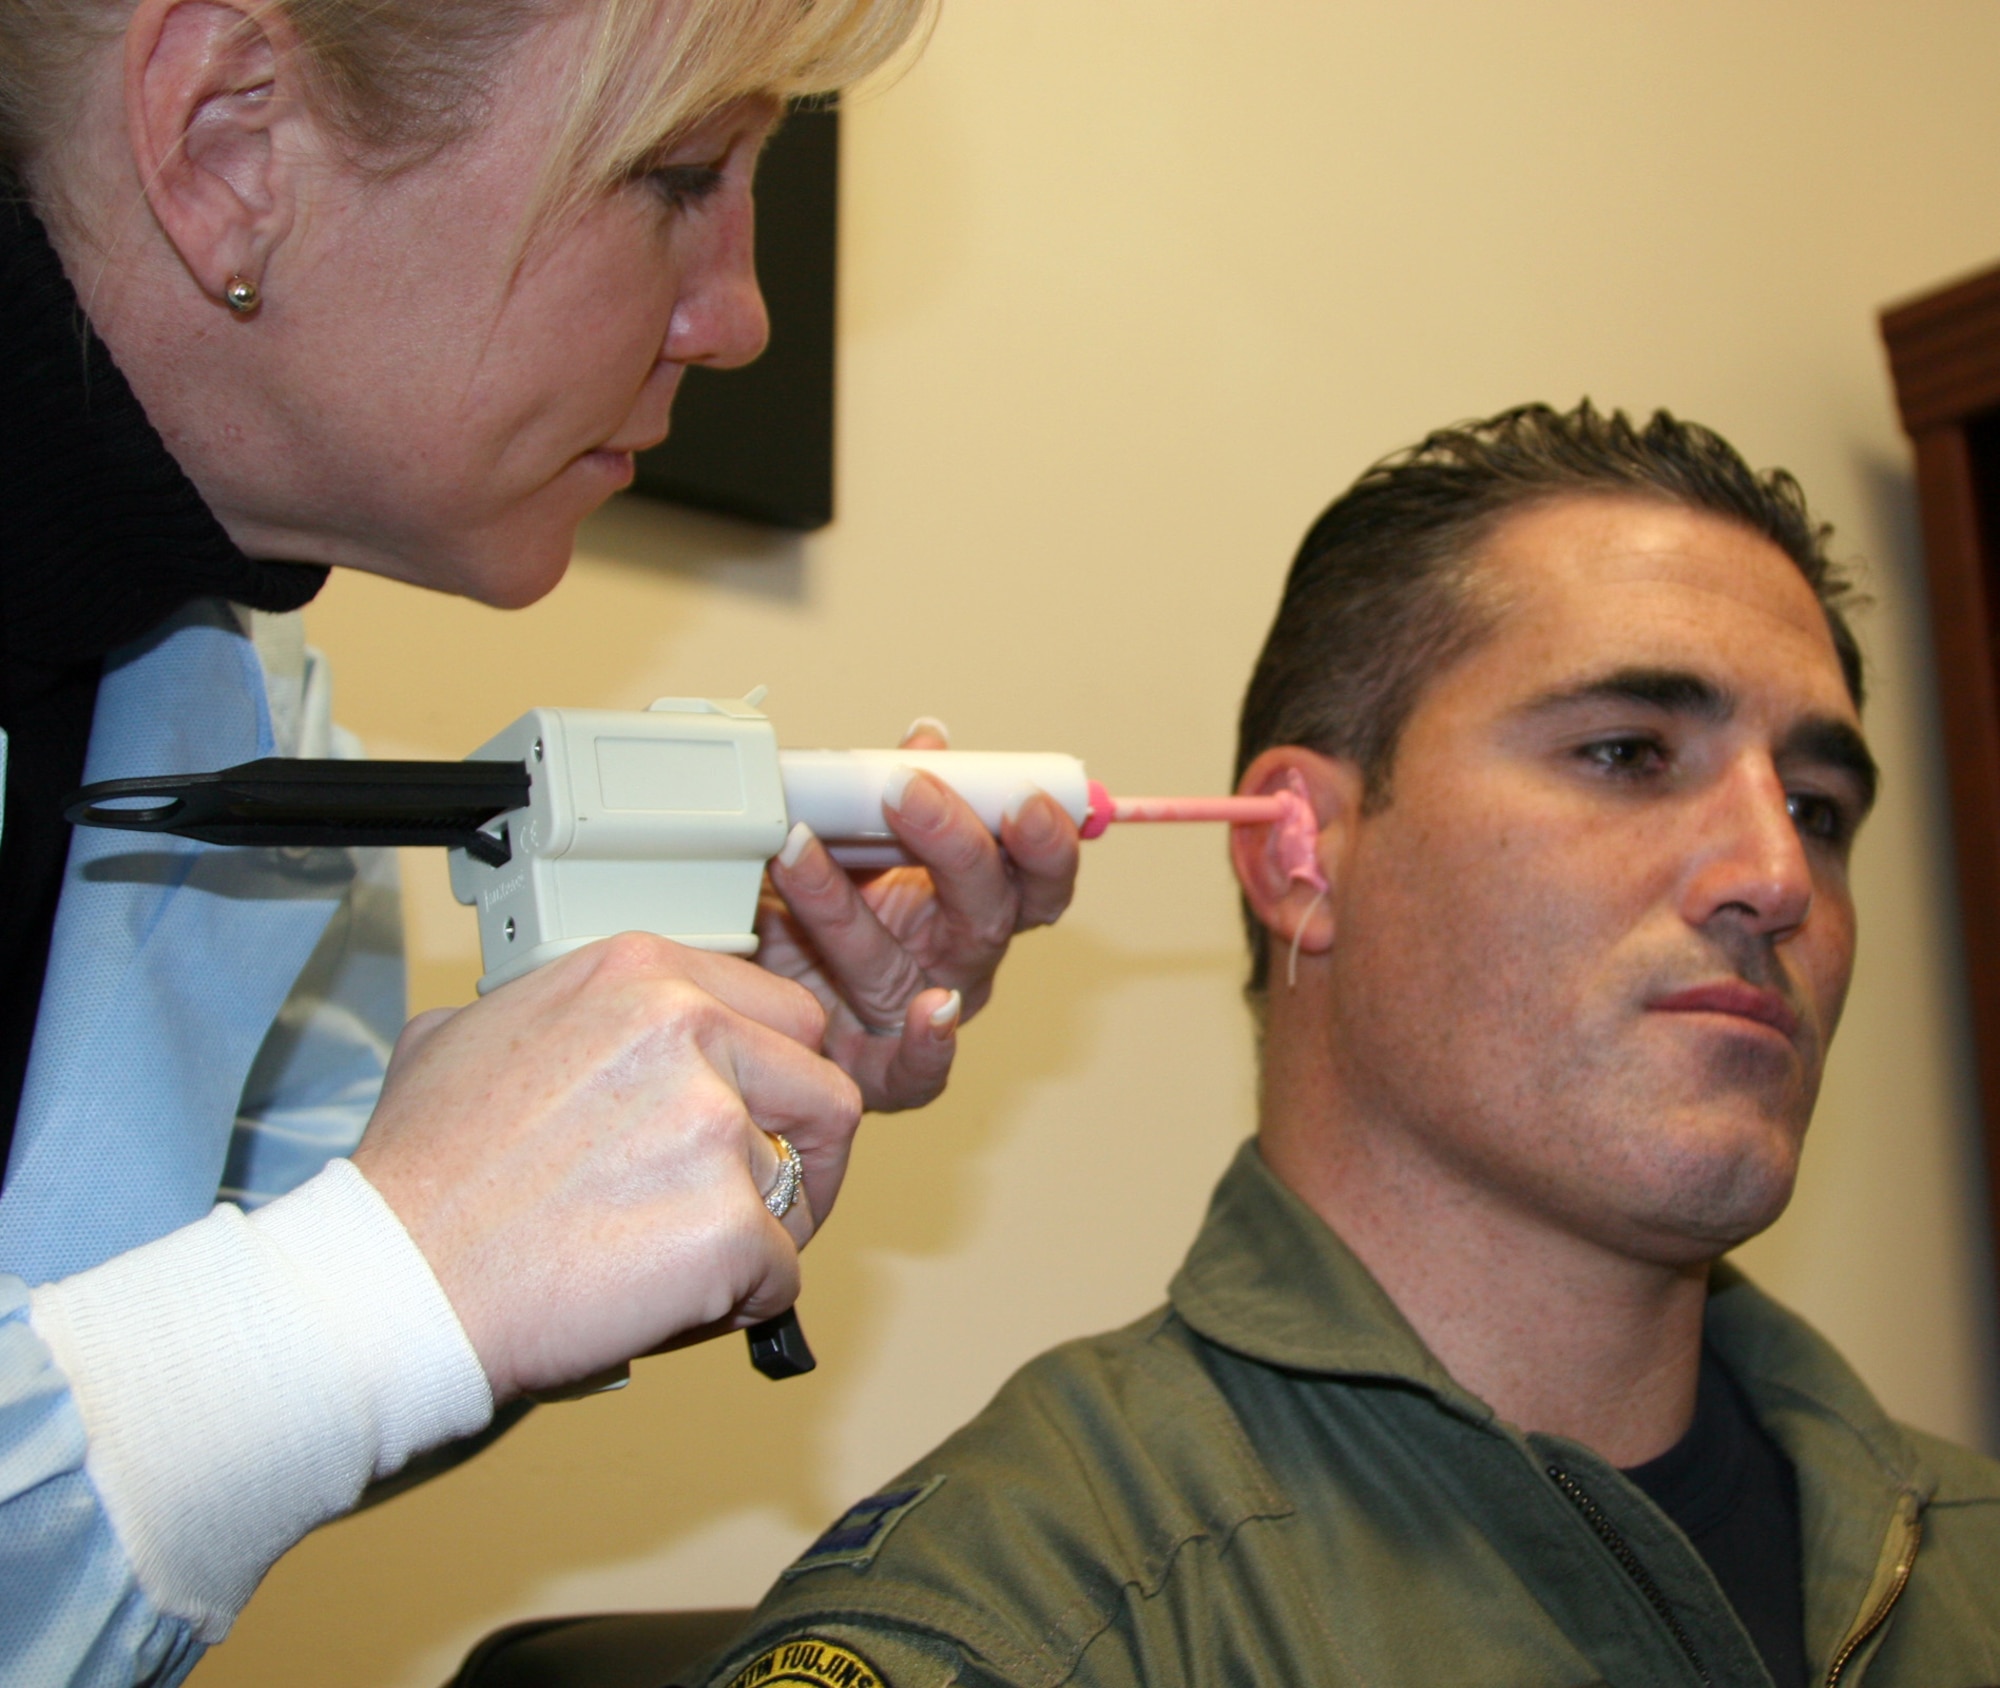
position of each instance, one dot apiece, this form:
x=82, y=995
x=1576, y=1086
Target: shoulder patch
x=858, y=1532
x=809, y=1660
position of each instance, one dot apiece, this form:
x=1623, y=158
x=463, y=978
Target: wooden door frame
x=1944, y=357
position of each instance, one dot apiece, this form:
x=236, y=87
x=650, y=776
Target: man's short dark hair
x=1383, y=594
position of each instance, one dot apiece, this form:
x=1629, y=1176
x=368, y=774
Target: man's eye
x=1626, y=756
x=1818, y=817
x=682, y=185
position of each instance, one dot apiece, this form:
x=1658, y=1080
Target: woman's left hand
x=900, y=960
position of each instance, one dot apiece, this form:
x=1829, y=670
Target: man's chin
x=1702, y=1206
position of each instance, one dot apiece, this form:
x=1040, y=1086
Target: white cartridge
x=838, y=793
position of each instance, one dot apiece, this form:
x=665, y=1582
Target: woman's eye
x=682, y=185
x=1625, y=756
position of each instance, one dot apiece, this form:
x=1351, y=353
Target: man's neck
x=1557, y=1333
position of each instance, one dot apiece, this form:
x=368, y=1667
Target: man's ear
x=1294, y=899
x=208, y=83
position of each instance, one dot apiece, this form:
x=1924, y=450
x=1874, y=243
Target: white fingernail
x=1019, y=801
x=947, y=1011
x=896, y=785
x=795, y=844
x=927, y=724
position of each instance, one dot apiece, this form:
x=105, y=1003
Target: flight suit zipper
x=1621, y=1550
x=1905, y=1537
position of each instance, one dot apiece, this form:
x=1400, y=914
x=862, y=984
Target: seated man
x=1452, y=1388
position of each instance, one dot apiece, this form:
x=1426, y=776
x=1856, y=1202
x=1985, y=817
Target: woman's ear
x=1289, y=880
x=209, y=86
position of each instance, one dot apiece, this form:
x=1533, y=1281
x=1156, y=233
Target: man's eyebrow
x=1835, y=744
x=1823, y=739
x=1673, y=691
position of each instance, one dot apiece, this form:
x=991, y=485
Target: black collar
x=104, y=536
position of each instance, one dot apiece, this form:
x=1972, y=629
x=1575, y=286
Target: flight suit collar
x=1271, y=1280
x=1268, y=1279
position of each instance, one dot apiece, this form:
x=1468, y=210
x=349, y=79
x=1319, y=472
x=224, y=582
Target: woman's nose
x=719, y=319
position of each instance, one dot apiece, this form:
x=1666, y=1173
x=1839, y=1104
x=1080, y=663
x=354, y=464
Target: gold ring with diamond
x=790, y=1180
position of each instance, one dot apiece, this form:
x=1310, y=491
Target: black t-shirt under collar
x=1734, y=1495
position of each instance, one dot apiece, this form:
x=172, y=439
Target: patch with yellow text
x=810, y=1660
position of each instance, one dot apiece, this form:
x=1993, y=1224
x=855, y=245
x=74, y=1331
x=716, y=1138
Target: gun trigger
x=778, y=1347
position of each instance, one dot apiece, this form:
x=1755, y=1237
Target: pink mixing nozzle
x=1290, y=810
x=1237, y=811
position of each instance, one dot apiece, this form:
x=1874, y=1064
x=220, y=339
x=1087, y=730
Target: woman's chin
x=514, y=565
x=521, y=558
x=506, y=557
x=520, y=580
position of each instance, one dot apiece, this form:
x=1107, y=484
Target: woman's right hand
x=582, y=1156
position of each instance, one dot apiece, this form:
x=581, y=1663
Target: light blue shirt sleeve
x=71, y=1609
x=317, y=1077
x=73, y=1612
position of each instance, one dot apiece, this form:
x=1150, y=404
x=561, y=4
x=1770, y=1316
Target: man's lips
x=1733, y=997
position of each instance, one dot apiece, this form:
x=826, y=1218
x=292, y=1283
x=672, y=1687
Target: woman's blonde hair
x=400, y=80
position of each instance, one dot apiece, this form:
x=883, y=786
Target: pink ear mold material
x=1297, y=837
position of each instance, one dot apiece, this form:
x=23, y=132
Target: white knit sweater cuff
x=242, y=1379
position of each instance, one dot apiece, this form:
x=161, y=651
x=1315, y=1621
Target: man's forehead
x=1588, y=585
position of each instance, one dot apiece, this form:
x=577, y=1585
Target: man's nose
x=1750, y=864
x=720, y=319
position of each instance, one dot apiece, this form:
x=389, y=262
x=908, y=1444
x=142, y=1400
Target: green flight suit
x=1272, y=1480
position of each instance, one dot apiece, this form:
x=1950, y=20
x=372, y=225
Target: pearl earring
x=241, y=295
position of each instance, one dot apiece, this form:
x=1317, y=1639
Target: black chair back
x=609, y=1650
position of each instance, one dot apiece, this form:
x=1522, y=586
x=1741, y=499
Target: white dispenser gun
x=576, y=824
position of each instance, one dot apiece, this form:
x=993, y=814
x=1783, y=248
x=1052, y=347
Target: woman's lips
x=1735, y=998
x=617, y=464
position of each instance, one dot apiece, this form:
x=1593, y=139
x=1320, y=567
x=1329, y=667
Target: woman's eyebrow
x=660, y=156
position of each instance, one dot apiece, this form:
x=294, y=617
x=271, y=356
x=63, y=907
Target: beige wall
x=1129, y=290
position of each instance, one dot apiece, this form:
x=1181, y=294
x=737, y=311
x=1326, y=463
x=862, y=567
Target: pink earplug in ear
x=1297, y=844
x=1297, y=837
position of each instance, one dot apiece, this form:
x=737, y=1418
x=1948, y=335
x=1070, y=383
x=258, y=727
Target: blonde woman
x=397, y=285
